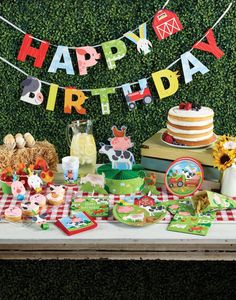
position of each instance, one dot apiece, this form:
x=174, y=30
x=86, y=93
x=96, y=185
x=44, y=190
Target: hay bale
x=28, y=156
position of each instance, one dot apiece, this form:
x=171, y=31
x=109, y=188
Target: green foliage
x=89, y=22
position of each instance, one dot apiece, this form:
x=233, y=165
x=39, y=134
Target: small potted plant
x=6, y=180
x=224, y=154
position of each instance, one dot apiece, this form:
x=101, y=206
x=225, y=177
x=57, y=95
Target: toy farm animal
x=94, y=179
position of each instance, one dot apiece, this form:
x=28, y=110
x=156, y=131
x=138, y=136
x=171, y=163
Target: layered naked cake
x=191, y=125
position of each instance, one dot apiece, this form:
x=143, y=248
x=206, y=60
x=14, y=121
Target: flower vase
x=228, y=182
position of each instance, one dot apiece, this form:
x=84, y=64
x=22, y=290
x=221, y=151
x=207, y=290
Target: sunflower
x=223, y=159
x=226, y=142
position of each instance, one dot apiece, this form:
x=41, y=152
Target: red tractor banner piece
x=166, y=23
x=143, y=94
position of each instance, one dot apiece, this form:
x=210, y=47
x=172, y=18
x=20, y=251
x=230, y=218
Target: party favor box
x=207, y=201
x=157, y=156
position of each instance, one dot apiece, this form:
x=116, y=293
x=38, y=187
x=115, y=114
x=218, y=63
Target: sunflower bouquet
x=224, y=152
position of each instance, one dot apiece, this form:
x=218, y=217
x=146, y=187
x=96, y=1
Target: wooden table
x=116, y=241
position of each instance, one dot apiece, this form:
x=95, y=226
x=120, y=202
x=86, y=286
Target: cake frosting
x=190, y=124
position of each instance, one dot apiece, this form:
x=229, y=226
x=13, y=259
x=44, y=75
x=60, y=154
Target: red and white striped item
x=57, y=212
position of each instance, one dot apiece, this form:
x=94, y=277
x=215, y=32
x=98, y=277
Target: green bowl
x=6, y=187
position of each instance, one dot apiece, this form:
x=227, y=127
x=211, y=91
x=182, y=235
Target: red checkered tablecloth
x=57, y=212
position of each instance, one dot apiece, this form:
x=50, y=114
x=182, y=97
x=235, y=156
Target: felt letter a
x=188, y=58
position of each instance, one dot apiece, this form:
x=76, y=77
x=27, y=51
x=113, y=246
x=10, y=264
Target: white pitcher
x=228, y=183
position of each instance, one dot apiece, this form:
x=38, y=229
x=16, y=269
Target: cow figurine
x=35, y=182
x=31, y=91
x=121, y=160
x=94, y=180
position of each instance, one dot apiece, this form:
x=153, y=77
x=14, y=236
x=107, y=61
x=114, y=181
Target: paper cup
x=70, y=166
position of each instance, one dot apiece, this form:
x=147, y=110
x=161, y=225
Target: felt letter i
x=52, y=97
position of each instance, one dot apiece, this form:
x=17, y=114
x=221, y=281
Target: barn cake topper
x=119, y=155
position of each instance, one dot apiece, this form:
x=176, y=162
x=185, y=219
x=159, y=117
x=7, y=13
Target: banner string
x=73, y=47
x=133, y=83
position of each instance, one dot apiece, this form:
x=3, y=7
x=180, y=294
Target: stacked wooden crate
x=157, y=156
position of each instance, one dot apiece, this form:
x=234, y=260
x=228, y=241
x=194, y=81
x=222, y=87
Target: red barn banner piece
x=166, y=23
x=210, y=46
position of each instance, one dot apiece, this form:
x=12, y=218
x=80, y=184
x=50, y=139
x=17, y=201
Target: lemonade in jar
x=82, y=145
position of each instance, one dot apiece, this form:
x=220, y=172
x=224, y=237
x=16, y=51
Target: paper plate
x=184, y=177
x=188, y=147
x=134, y=215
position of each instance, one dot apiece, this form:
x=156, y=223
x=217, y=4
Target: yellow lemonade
x=83, y=146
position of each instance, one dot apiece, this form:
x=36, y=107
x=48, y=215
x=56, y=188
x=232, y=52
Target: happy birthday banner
x=165, y=23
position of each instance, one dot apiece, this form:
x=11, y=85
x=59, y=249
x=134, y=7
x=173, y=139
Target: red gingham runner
x=57, y=212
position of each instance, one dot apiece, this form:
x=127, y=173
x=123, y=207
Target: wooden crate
x=157, y=156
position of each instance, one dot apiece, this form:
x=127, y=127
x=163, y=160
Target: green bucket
x=6, y=187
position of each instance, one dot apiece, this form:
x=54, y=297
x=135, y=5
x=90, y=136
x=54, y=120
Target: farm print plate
x=184, y=177
x=134, y=215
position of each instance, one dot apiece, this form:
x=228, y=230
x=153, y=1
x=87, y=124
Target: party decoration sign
x=27, y=50
x=111, y=57
x=84, y=63
x=210, y=46
x=103, y=93
x=172, y=78
x=69, y=103
x=143, y=45
x=132, y=97
x=188, y=58
x=31, y=91
x=119, y=156
x=166, y=23
x=62, y=53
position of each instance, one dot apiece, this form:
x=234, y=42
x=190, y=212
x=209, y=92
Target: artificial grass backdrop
x=89, y=22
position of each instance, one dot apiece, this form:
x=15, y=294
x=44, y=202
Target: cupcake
x=30, y=208
x=56, y=196
x=40, y=199
x=13, y=214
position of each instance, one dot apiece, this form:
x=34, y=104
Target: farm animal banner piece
x=143, y=44
x=117, y=151
x=166, y=23
x=31, y=92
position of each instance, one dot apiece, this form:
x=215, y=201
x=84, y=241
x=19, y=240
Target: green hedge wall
x=89, y=22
